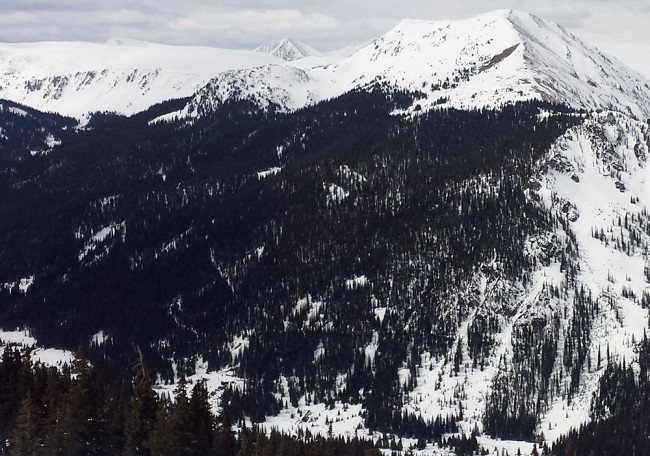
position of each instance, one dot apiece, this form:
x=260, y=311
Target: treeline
x=68, y=411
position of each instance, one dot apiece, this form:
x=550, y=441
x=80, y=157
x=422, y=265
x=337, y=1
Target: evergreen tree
x=161, y=440
x=82, y=413
x=569, y=449
x=182, y=431
x=225, y=442
x=142, y=413
x=9, y=389
x=27, y=438
x=201, y=418
x=247, y=440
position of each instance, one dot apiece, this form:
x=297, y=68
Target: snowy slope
x=279, y=86
x=47, y=356
x=596, y=178
x=287, y=49
x=124, y=76
x=598, y=175
x=486, y=61
x=492, y=59
x=498, y=57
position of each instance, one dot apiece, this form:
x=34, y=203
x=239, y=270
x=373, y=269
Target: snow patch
x=18, y=111
x=356, y=282
x=23, y=285
x=102, y=236
x=335, y=193
x=47, y=356
x=269, y=172
x=216, y=383
x=100, y=338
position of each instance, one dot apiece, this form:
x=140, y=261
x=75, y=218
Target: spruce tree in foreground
x=142, y=413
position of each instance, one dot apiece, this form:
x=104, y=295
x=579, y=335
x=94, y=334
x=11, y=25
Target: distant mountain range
x=123, y=76
x=485, y=61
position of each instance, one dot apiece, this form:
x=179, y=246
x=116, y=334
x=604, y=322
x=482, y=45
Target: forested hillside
x=399, y=276
x=176, y=239
x=45, y=411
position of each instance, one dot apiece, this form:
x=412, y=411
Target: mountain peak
x=288, y=49
x=499, y=57
x=496, y=58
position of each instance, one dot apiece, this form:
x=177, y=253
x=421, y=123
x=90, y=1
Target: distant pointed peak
x=288, y=49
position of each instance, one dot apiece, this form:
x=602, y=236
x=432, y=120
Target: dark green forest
x=172, y=237
x=201, y=249
x=47, y=411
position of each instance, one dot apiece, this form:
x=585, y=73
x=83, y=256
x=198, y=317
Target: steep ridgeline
x=123, y=76
x=486, y=61
x=358, y=265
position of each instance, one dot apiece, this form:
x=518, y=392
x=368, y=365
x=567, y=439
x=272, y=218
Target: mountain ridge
x=123, y=76
x=486, y=61
x=495, y=58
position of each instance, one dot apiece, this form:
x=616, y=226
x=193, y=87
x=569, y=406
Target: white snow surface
x=487, y=61
x=123, y=76
x=47, y=356
x=287, y=49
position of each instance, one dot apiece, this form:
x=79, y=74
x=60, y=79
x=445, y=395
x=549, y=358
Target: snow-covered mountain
x=461, y=267
x=492, y=59
x=123, y=76
x=486, y=61
x=287, y=49
x=594, y=178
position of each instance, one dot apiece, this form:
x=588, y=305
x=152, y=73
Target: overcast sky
x=620, y=27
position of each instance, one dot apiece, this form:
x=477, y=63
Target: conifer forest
x=339, y=255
